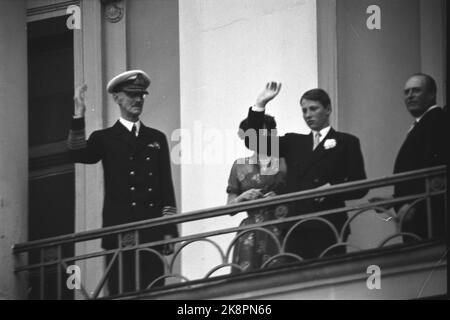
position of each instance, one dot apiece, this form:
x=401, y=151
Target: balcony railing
x=44, y=259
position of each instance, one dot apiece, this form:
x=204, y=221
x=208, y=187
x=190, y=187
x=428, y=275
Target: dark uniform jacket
x=137, y=175
x=308, y=169
x=425, y=146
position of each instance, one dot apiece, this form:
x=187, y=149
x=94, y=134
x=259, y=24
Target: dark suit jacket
x=137, y=175
x=425, y=146
x=308, y=169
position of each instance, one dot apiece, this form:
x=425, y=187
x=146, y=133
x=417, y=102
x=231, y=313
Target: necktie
x=133, y=131
x=412, y=126
x=316, y=140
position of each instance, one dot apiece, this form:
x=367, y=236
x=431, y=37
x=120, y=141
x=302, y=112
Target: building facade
x=207, y=59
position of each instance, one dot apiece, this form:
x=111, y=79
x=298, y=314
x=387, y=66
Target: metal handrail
x=234, y=208
x=294, y=221
x=220, y=232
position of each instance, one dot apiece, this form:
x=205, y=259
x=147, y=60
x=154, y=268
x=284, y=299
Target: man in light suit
x=324, y=157
x=137, y=174
x=425, y=146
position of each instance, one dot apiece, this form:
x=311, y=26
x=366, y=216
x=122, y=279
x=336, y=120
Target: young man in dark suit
x=137, y=175
x=324, y=157
x=425, y=146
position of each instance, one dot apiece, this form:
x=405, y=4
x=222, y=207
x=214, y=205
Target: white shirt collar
x=429, y=109
x=323, y=132
x=129, y=124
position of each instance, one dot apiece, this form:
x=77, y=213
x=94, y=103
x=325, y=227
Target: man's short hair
x=429, y=82
x=319, y=95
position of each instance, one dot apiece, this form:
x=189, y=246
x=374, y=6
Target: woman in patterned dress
x=259, y=176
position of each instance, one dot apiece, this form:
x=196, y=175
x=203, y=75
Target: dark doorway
x=52, y=181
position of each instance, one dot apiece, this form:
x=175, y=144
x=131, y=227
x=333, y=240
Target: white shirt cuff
x=258, y=109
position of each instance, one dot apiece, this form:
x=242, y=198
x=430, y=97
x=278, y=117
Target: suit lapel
x=418, y=127
x=306, y=153
x=123, y=134
x=424, y=122
x=313, y=157
x=143, y=137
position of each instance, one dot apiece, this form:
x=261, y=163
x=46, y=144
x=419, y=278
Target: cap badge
x=139, y=80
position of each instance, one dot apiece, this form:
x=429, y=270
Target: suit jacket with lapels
x=337, y=159
x=426, y=145
x=137, y=174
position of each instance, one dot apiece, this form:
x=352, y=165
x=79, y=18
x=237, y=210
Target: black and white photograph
x=245, y=151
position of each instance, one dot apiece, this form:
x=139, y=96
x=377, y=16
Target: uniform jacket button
x=150, y=189
x=150, y=205
x=147, y=159
x=132, y=173
x=133, y=204
x=132, y=188
x=150, y=173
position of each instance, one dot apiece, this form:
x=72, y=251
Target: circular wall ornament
x=113, y=10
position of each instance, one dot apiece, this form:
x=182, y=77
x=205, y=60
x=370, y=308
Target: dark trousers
x=151, y=267
x=418, y=222
x=311, y=239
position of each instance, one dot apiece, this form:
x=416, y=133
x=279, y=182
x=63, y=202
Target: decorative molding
x=114, y=37
x=89, y=60
x=113, y=10
x=58, y=6
x=327, y=53
x=433, y=44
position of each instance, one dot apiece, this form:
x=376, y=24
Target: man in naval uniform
x=137, y=176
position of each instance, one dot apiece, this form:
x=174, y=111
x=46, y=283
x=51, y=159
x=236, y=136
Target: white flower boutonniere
x=329, y=144
x=154, y=145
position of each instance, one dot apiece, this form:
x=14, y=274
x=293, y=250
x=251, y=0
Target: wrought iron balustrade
x=46, y=254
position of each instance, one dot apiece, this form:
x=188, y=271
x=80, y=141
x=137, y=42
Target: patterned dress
x=254, y=248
